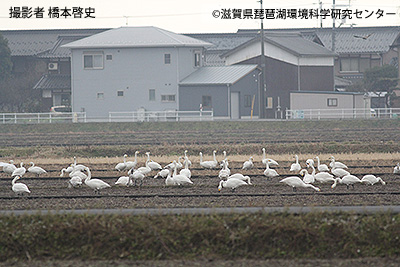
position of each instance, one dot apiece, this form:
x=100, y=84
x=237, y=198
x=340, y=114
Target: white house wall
x=133, y=71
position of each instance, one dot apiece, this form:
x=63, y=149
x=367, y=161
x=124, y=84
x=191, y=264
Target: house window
x=168, y=98
x=93, y=61
x=332, y=102
x=350, y=64
x=100, y=96
x=269, y=102
x=167, y=58
x=206, y=101
x=108, y=57
x=152, y=94
x=197, y=59
x=120, y=93
x=247, y=101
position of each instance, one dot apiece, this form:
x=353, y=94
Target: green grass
x=188, y=237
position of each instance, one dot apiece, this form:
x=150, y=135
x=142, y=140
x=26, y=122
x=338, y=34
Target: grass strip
x=188, y=237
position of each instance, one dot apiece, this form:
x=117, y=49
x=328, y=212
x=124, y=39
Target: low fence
x=142, y=116
x=27, y=118
x=319, y=114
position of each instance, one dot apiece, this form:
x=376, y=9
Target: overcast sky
x=191, y=16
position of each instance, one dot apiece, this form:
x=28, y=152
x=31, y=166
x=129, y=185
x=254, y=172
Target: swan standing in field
x=337, y=164
x=265, y=159
x=321, y=167
x=8, y=167
x=163, y=173
x=145, y=170
x=135, y=175
x=19, y=188
x=131, y=164
x=36, y=170
x=169, y=181
x=123, y=180
x=180, y=179
x=78, y=167
x=371, y=179
x=208, y=164
x=270, y=172
x=122, y=165
x=307, y=178
x=75, y=181
x=347, y=180
x=225, y=172
x=232, y=183
x=225, y=158
x=339, y=172
x=248, y=164
x=240, y=177
x=152, y=164
x=321, y=177
x=186, y=159
x=295, y=167
x=396, y=169
x=19, y=171
x=185, y=171
x=295, y=182
x=95, y=184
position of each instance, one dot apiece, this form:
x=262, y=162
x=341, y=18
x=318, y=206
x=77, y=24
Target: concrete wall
x=133, y=71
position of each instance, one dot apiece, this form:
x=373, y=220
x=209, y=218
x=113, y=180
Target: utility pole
x=262, y=66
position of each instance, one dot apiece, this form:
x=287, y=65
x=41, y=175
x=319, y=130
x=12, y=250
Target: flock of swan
x=335, y=173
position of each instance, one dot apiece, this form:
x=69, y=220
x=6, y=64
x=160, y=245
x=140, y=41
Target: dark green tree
x=5, y=59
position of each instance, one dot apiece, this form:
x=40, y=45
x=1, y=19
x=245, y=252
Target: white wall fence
x=320, y=114
x=15, y=118
x=142, y=116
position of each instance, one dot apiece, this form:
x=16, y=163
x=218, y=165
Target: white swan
x=396, y=169
x=270, y=172
x=169, y=181
x=248, y=164
x=242, y=177
x=78, y=167
x=19, y=188
x=75, y=181
x=122, y=165
x=337, y=164
x=123, y=180
x=225, y=172
x=339, y=172
x=180, y=179
x=307, y=178
x=295, y=182
x=185, y=171
x=131, y=164
x=145, y=170
x=232, y=183
x=265, y=159
x=321, y=167
x=136, y=175
x=152, y=164
x=163, y=173
x=225, y=158
x=68, y=169
x=36, y=170
x=295, y=167
x=8, y=167
x=208, y=164
x=371, y=179
x=347, y=180
x=321, y=177
x=186, y=159
x=19, y=171
x=95, y=184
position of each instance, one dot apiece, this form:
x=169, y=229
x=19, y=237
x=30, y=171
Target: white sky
x=189, y=16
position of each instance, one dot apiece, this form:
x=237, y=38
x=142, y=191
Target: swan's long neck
x=33, y=164
x=313, y=187
x=148, y=156
x=318, y=163
x=297, y=159
x=62, y=172
x=186, y=164
x=267, y=165
x=14, y=180
x=201, y=157
x=215, y=159
x=22, y=164
x=89, y=175
x=380, y=180
x=75, y=161
x=264, y=156
x=175, y=167
x=124, y=158
x=136, y=156
x=313, y=170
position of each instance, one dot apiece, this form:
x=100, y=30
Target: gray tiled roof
x=137, y=37
x=34, y=42
x=223, y=41
x=54, y=81
x=218, y=75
